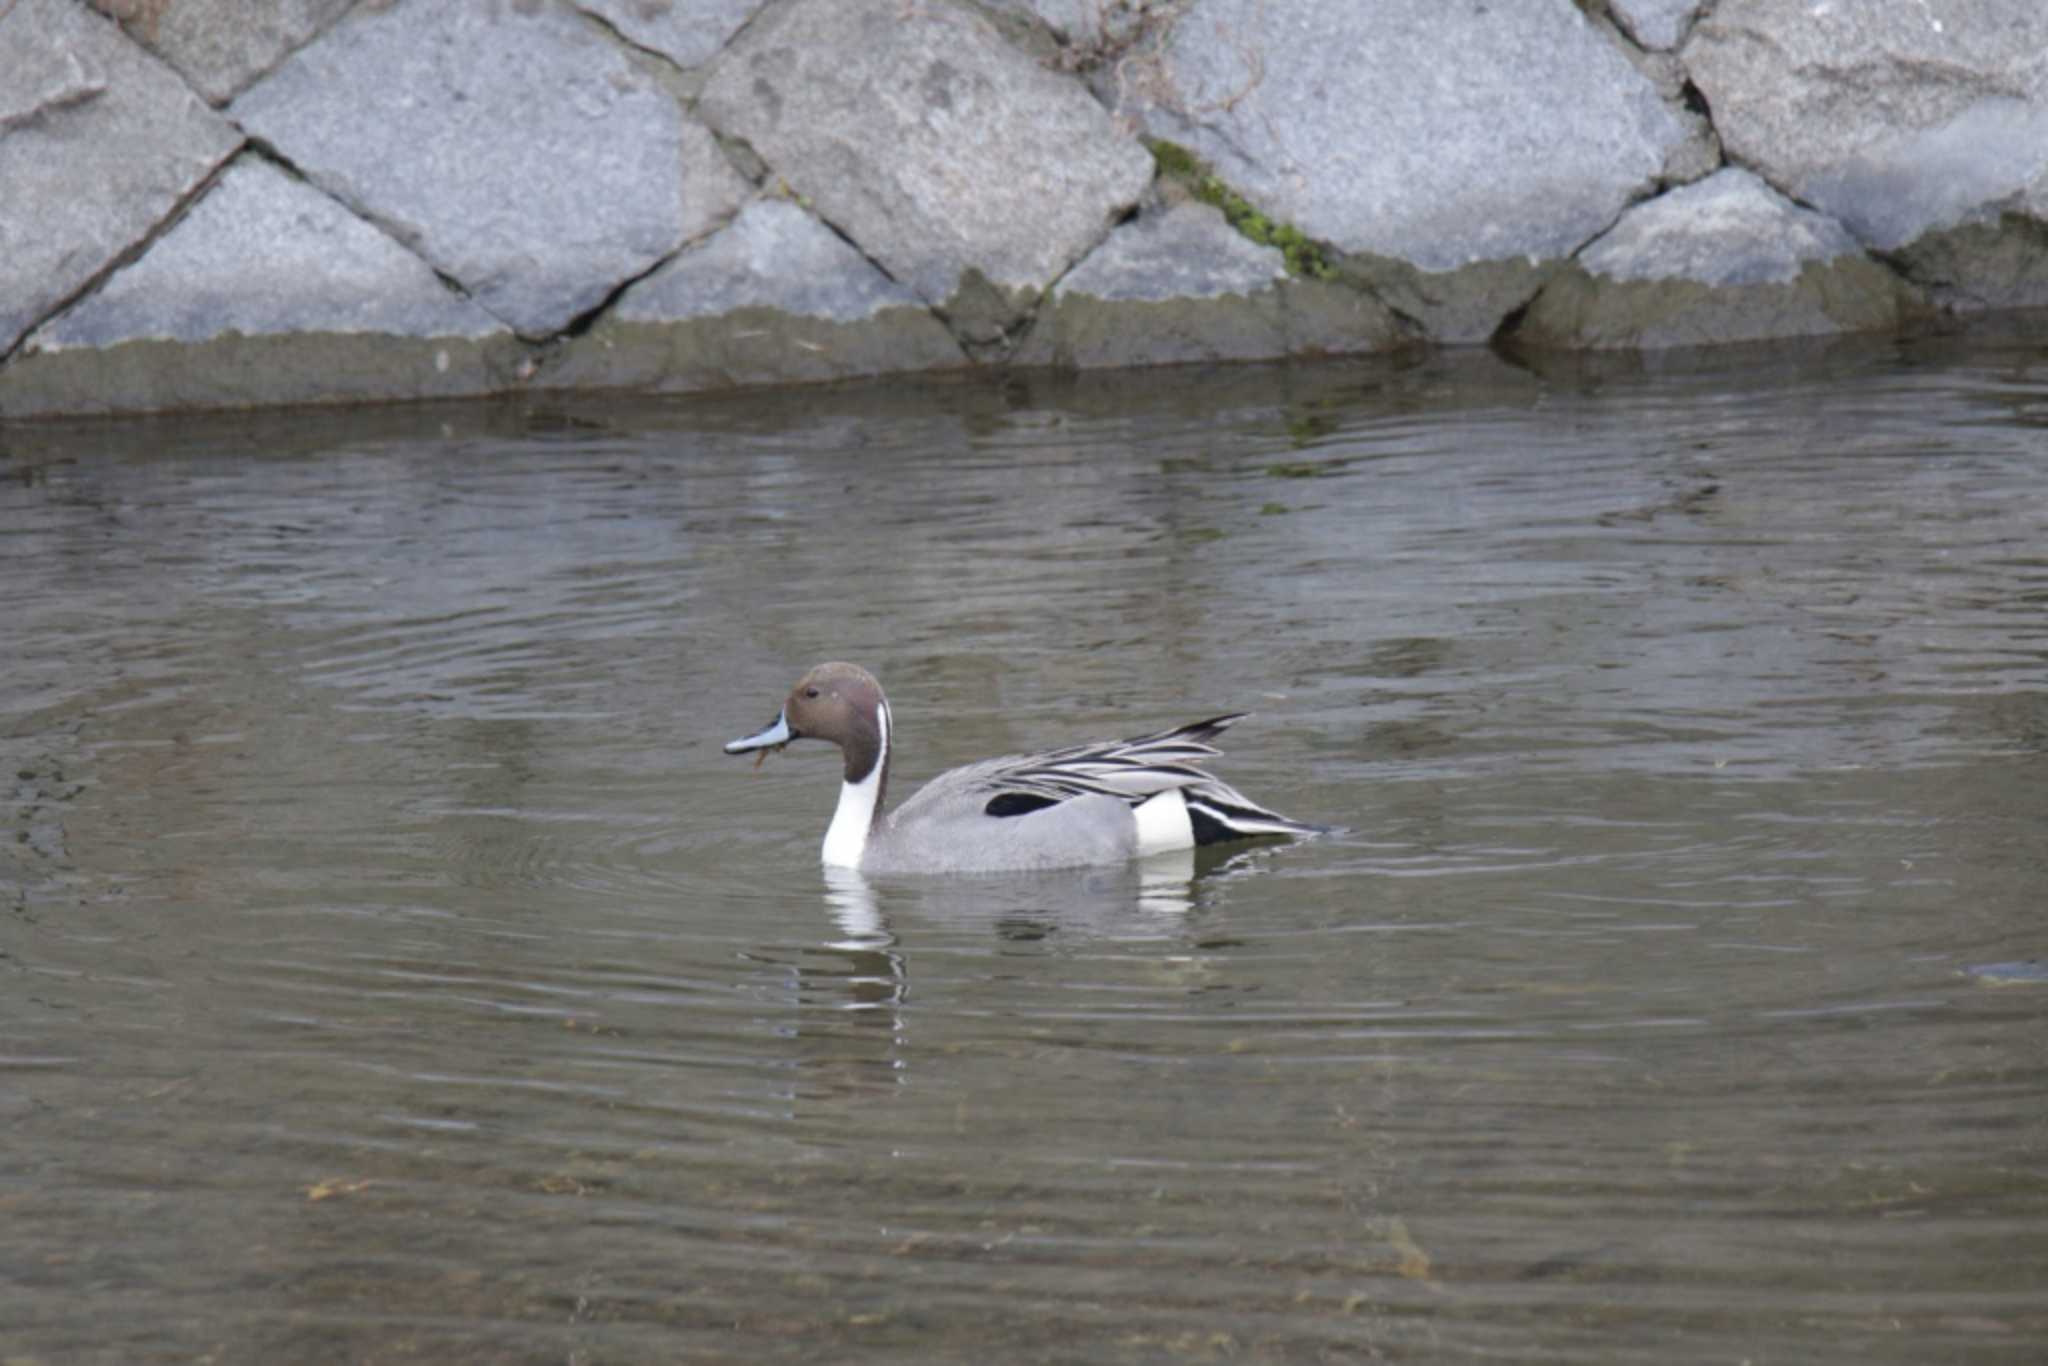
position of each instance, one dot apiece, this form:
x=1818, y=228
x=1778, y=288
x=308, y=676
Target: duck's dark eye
x=811, y=693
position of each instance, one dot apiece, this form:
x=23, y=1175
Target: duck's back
x=946, y=828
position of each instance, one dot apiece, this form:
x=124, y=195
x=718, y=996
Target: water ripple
x=393, y=966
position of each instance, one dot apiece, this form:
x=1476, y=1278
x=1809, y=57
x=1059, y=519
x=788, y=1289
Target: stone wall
x=216, y=203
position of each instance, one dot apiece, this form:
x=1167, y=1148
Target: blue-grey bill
x=773, y=736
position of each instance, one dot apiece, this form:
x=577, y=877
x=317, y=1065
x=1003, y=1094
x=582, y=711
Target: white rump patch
x=1163, y=823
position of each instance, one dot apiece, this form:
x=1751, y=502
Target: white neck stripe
x=847, y=837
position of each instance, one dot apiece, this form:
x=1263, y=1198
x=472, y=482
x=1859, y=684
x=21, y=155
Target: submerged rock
x=1725, y=260
x=965, y=170
x=266, y=292
x=774, y=297
x=1924, y=129
x=515, y=147
x=99, y=144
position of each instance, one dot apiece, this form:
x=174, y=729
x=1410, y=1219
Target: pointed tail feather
x=1219, y=812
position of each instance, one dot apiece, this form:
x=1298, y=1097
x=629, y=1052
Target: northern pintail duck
x=1086, y=804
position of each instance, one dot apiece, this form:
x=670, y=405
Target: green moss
x=1174, y=160
x=1304, y=256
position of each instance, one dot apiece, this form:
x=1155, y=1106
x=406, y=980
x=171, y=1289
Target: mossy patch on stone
x=1305, y=257
x=1175, y=160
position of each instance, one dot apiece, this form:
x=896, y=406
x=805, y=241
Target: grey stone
x=1462, y=306
x=773, y=298
x=1068, y=18
x=1897, y=119
x=1725, y=260
x=1168, y=287
x=1998, y=262
x=1440, y=136
x=263, y=254
x=1091, y=27
x=310, y=302
x=772, y=255
x=1184, y=252
x=1329, y=318
x=220, y=46
x=968, y=172
x=1729, y=229
x=517, y=148
x=687, y=32
x=1658, y=24
x=99, y=143
x=46, y=77
x=1180, y=285
x=1697, y=154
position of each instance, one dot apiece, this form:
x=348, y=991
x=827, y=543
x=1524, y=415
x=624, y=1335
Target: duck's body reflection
x=854, y=986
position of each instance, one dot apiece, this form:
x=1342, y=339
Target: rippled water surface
x=393, y=969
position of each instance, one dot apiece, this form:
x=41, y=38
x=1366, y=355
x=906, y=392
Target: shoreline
x=391, y=202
